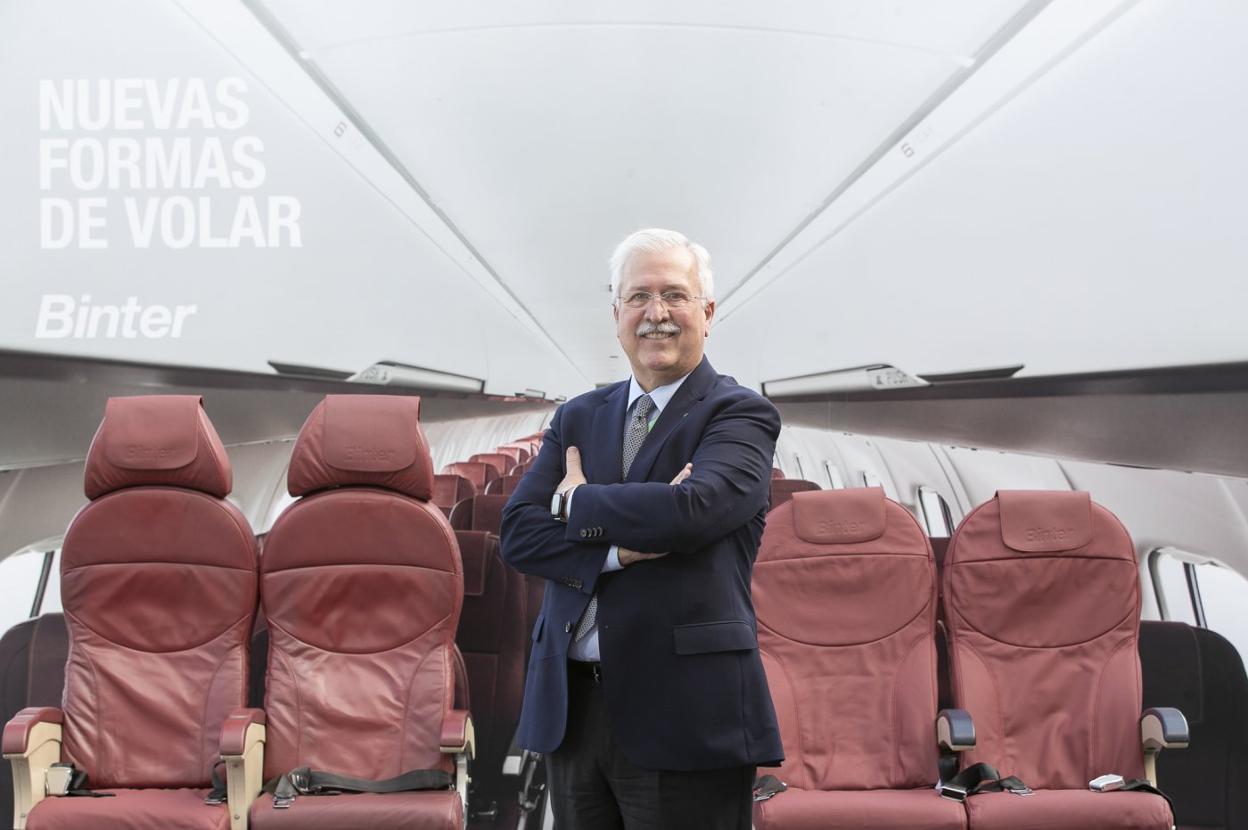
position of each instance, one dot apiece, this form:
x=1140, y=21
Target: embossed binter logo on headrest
x=835, y=528
x=142, y=452
x=358, y=453
x=1050, y=534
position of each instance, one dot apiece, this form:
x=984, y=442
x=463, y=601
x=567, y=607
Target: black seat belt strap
x=306, y=781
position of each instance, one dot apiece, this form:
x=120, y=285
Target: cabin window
x=937, y=517
x=21, y=577
x=1201, y=592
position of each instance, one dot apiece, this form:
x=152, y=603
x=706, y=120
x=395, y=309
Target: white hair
x=653, y=241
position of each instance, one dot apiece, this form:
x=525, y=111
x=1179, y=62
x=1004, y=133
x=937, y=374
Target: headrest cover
x=362, y=440
x=1035, y=521
x=838, y=517
x=157, y=440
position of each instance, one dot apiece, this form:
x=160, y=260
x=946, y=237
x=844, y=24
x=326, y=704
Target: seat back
x=478, y=472
x=504, y=486
x=1200, y=672
x=491, y=638
x=362, y=588
x=519, y=453
x=501, y=462
x=845, y=594
x=484, y=512
x=449, y=490
x=158, y=584
x=1042, y=610
x=782, y=489
x=32, y=673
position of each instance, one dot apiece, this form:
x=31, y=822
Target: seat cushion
x=797, y=809
x=130, y=810
x=429, y=810
x=1069, y=810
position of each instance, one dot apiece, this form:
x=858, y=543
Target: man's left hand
x=573, y=476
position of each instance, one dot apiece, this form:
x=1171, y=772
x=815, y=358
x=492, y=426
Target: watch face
x=556, y=504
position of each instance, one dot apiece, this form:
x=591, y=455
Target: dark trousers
x=594, y=787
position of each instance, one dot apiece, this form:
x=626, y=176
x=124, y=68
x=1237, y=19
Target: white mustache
x=666, y=327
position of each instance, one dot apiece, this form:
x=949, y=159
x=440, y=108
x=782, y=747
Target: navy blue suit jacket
x=684, y=684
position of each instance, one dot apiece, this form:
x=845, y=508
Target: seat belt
x=981, y=778
x=64, y=779
x=767, y=786
x=307, y=781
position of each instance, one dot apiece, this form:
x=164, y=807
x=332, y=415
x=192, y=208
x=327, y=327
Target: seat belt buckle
x=952, y=792
x=1106, y=783
x=214, y=800
x=59, y=778
x=282, y=802
x=1020, y=789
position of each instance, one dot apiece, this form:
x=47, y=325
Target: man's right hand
x=628, y=557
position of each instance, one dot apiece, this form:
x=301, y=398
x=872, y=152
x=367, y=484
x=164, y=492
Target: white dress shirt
x=587, y=647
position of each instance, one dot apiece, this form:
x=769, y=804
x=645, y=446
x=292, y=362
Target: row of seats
x=361, y=587
x=864, y=756
x=1041, y=609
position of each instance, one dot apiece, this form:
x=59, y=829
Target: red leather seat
x=158, y=583
x=520, y=453
x=504, y=486
x=782, y=489
x=362, y=586
x=845, y=593
x=501, y=462
x=1042, y=608
x=478, y=472
x=483, y=512
x=449, y=490
x=492, y=638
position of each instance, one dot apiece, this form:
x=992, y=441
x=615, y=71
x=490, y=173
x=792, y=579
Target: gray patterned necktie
x=638, y=429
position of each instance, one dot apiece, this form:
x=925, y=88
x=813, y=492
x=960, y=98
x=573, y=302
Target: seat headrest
x=157, y=440
x=838, y=517
x=1035, y=521
x=363, y=441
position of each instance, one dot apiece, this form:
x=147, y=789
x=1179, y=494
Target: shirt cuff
x=612, y=562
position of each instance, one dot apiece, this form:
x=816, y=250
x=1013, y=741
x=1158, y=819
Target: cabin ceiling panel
x=1092, y=222
x=545, y=132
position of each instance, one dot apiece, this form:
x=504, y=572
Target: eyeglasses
x=671, y=299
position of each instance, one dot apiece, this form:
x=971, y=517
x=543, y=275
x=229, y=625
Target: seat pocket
x=703, y=638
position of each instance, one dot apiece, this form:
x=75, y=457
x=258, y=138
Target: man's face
x=663, y=343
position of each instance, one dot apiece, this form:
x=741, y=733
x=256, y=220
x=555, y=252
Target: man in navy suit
x=643, y=512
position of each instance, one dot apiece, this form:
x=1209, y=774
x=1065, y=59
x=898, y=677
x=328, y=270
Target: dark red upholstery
x=492, y=638
x=362, y=587
x=503, y=486
x=483, y=512
x=164, y=440
x=154, y=809
x=782, y=489
x=432, y=810
x=501, y=462
x=845, y=593
x=478, y=472
x=158, y=583
x=1042, y=608
x=519, y=453
x=449, y=490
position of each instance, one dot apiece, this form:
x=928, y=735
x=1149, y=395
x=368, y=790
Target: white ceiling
x=547, y=131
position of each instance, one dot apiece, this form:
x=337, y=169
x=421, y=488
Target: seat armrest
x=242, y=748
x=457, y=732
x=1163, y=727
x=31, y=743
x=459, y=739
x=235, y=728
x=955, y=730
x=17, y=732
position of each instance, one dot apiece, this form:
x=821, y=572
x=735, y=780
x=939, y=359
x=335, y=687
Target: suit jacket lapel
x=692, y=391
x=607, y=441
